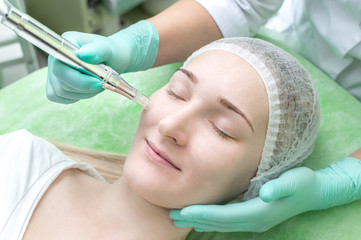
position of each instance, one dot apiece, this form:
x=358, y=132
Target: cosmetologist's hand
x=296, y=191
x=132, y=49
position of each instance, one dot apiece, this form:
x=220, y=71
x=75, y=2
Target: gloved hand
x=132, y=49
x=297, y=190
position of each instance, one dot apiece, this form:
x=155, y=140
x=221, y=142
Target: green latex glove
x=297, y=190
x=132, y=49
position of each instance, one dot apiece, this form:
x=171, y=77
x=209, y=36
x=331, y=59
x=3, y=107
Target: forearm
x=183, y=28
x=357, y=154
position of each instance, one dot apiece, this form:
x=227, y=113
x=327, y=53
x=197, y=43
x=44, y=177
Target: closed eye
x=220, y=133
x=174, y=95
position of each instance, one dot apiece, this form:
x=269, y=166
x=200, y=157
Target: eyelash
x=171, y=93
x=219, y=132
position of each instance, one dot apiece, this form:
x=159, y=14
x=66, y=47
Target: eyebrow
x=222, y=100
x=189, y=74
x=232, y=107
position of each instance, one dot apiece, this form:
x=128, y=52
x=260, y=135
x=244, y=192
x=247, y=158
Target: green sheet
x=107, y=122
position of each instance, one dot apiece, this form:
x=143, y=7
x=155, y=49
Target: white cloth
x=28, y=166
x=325, y=32
x=240, y=18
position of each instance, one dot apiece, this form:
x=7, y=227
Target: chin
x=150, y=185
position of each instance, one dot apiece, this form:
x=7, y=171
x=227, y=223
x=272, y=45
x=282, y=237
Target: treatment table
x=107, y=122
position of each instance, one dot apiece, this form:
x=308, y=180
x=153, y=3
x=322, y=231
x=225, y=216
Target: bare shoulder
x=57, y=207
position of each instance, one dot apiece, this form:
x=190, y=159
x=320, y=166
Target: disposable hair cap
x=294, y=112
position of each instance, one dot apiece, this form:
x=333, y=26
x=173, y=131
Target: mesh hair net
x=294, y=113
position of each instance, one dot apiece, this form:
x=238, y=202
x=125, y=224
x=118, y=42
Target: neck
x=123, y=214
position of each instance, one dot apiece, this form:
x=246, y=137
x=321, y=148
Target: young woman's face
x=200, y=139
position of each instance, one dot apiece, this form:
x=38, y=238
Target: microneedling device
x=53, y=44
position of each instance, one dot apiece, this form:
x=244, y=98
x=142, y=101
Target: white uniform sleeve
x=240, y=18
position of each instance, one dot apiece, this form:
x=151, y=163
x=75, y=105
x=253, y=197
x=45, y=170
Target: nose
x=175, y=126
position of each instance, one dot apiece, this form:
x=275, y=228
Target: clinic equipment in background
x=103, y=17
x=89, y=16
x=50, y=42
x=18, y=57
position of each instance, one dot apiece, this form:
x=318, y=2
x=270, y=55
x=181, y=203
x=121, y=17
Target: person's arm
x=357, y=154
x=189, y=24
x=295, y=191
x=183, y=28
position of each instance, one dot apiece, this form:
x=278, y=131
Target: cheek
x=222, y=173
x=155, y=110
x=149, y=118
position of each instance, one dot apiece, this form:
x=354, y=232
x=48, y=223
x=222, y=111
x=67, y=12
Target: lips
x=159, y=157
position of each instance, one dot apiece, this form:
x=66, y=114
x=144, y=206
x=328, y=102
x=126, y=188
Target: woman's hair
x=109, y=165
x=294, y=112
